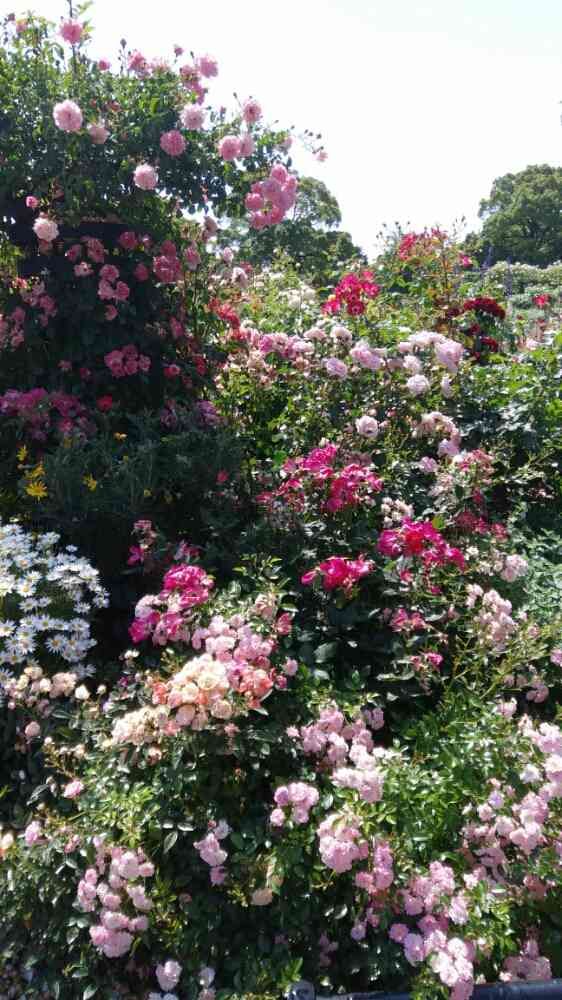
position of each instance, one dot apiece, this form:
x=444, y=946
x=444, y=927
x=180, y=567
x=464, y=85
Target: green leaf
x=170, y=840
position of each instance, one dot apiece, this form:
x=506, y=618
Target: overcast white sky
x=420, y=104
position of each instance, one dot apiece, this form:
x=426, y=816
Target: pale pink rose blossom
x=67, y=116
x=335, y=367
x=145, y=177
x=417, y=385
x=168, y=974
x=192, y=117
x=251, y=112
x=45, y=229
x=261, y=897
x=367, y=426
x=207, y=66
x=73, y=789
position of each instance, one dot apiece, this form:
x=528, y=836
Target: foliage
x=522, y=216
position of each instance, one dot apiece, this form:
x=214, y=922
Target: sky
x=420, y=104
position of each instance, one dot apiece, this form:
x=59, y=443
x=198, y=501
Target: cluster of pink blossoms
x=341, y=843
x=233, y=675
x=419, y=539
x=210, y=851
x=346, y=749
x=494, y=622
x=528, y=966
x=110, y=287
x=235, y=147
x=337, y=573
x=41, y=412
x=165, y=616
x=269, y=200
x=509, y=826
x=336, y=489
x=300, y=797
x=167, y=265
x=127, y=361
x=436, y=903
x=114, y=890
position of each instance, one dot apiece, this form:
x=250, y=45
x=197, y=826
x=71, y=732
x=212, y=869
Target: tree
x=311, y=238
x=523, y=216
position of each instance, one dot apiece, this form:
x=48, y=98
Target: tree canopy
x=523, y=216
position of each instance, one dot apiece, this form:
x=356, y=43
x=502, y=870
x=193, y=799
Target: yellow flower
x=22, y=453
x=147, y=493
x=119, y=437
x=37, y=490
x=90, y=482
x=37, y=473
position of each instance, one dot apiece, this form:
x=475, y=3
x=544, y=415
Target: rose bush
x=316, y=733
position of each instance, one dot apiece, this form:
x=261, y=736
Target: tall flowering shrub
x=114, y=179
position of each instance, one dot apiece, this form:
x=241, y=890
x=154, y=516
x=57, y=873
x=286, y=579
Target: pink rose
x=45, y=229
x=145, y=177
x=229, y=147
x=71, y=31
x=173, y=143
x=192, y=117
x=246, y=144
x=31, y=201
x=251, y=112
x=67, y=116
x=98, y=133
x=168, y=974
x=335, y=367
x=207, y=66
x=73, y=789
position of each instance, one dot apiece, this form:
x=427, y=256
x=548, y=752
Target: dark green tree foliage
x=311, y=239
x=523, y=216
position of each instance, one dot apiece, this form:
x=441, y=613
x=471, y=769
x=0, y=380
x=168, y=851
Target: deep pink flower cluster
x=419, y=539
x=336, y=490
x=269, y=200
x=163, y=616
x=338, y=573
x=420, y=244
x=127, y=361
x=41, y=412
x=114, y=889
x=352, y=292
